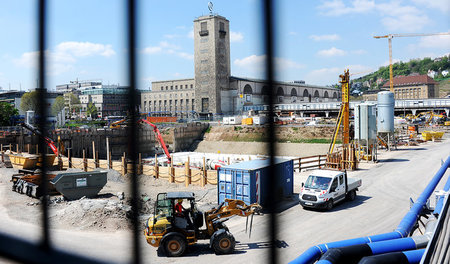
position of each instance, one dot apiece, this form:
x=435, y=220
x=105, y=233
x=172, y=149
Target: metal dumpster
x=248, y=181
x=75, y=185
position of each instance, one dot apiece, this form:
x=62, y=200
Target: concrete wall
x=77, y=140
x=184, y=137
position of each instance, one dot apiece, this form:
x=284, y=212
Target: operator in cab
x=180, y=211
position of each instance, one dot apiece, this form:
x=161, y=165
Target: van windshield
x=317, y=182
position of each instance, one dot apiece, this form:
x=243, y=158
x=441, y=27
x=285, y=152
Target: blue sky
x=315, y=40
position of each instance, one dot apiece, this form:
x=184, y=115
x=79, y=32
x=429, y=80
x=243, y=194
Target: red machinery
x=48, y=140
x=159, y=137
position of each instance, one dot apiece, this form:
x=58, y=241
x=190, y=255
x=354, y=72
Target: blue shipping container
x=248, y=181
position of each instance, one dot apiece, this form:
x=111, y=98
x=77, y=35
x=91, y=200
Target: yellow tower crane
x=390, y=37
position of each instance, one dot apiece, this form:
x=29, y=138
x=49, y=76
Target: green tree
x=6, y=111
x=29, y=101
x=74, y=103
x=58, y=105
x=91, y=110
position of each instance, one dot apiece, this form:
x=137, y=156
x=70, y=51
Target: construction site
x=219, y=170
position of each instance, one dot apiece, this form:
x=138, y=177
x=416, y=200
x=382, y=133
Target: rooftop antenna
x=210, y=7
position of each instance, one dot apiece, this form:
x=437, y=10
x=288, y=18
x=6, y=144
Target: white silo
x=385, y=118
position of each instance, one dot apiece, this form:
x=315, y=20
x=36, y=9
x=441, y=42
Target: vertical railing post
x=203, y=179
x=124, y=164
x=85, y=162
x=69, y=157
x=156, y=167
x=139, y=168
x=188, y=179
x=171, y=172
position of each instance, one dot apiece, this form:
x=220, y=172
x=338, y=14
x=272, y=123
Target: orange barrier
x=161, y=119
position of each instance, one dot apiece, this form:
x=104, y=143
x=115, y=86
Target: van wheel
x=174, y=245
x=329, y=205
x=351, y=195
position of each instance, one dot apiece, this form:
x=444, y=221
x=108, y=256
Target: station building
x=213, y=91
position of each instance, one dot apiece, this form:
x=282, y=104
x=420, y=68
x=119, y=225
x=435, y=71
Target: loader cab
x=191, y=218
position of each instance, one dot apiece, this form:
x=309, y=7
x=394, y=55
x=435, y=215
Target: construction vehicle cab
x=172, y=232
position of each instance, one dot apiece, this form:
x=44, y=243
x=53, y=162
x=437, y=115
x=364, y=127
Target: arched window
x=280, y=91
x=305, y=93
x=325, y=94
x=265, y=94
x=293, y=92
x=334, y=95
x=316, y=94
x=248, y=89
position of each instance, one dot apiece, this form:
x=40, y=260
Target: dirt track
x=255, y=148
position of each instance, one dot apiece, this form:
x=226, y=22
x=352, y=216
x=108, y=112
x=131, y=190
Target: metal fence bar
x=42, y=95
x=133, y=132
x=269, y=48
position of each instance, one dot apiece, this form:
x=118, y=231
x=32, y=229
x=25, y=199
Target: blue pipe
x=414, y=256
x=440, y=202
x=411, y=217
x=392, y=245
x=403, y=229
x=404, y=257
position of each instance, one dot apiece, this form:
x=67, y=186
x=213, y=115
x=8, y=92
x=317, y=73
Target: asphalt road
x=382, y=202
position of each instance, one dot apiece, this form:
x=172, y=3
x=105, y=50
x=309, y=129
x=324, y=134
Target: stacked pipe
x=355, y=249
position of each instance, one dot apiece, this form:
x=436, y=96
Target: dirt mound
x=84, y=214
x=298, y=134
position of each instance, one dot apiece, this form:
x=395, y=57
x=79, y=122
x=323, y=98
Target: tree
x=74, y=103
x=58, y=105
x=6, y=112
x=29, y=101
x=91, y=110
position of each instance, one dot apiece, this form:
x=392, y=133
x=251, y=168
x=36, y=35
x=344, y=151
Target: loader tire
x=223, y=243
x=174, y=245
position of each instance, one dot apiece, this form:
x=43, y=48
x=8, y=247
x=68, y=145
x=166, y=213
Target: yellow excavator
x=171, y=231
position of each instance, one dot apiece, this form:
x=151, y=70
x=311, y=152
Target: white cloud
x=236, y=36
x=256, y=64
x=338, y=8
x=394, y=15
x=171, y=36
x=331, y=37
x=58, y=62
x=359, y=52
x=167, y=48
x=191, y=34
x=406, y=22
x=331, y=52
x=326, y=76
x=64, y=56
x=84, y=49
x=435, y=42
x=152, y=50
x=441, y=5
x=185, y=55
x=358, y=69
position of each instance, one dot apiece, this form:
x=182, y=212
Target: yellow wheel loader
x=172, y=231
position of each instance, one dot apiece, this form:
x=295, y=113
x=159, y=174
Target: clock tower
x=212, y=62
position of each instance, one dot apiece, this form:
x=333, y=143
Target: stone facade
x=212, y=62
x=254, y=92
x=169, y=98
